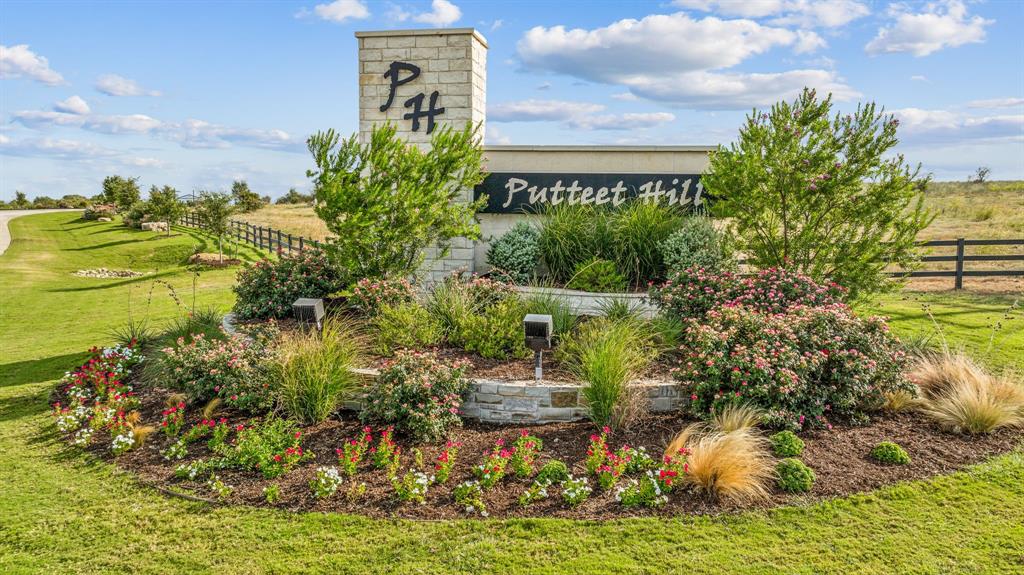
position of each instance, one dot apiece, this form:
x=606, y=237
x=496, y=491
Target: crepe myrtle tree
x=214, y=210
x=385, y=200
x=165, y=206
x=821, y=194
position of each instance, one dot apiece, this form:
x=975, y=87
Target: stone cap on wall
x=423, y=32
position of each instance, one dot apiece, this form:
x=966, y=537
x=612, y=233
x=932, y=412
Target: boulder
x=154, y=226
x=104, y=219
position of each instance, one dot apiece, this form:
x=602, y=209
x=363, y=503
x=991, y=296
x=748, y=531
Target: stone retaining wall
x=517, y=402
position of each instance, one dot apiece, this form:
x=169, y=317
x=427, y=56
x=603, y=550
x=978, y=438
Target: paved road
x=8, y=215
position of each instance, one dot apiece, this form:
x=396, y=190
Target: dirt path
x=8, y=215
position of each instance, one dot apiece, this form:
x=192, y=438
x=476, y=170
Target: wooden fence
x=276, y=241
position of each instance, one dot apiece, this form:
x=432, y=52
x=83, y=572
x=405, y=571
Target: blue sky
x=197, y=94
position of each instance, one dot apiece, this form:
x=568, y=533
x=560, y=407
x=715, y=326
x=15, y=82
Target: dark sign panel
x=532, y=192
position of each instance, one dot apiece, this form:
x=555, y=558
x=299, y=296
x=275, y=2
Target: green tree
x=214, y=210
x=20, y=201
x=74, y=201
x=819, y=194
x=165, y=206
x=385, y=201
x=245, y=199
x=44, y=203
x=294, y=197
x=122, y=192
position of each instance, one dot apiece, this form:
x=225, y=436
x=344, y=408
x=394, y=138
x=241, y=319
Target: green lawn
x=63, y=513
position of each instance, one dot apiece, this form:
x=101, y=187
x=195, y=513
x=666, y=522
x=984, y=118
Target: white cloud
x=919, y=78
x=580, y=115
x=497, y=24
x=20, y=62
x=341, y=10
x=191, y=133
x=933, y=126
x=144, y=162
x=805, y=13
x=54, y=148
x=676, y=69
x=941, y=25
x=442, y=13
x=997, y=103
x=494, y=136
x=625, y=97
x=72, y=105
x=114, y=85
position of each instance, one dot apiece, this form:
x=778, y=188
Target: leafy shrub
x=136, y=214
x=597, y=275
x=734, y=466
x=787, y=185
x=369, y=295
x=234, y=369
x=890, y=453
x=638, y=229
x=385, y=201
x=607, y=355
x=697, y=245
x=419, y=394
x=692, y=293
x=497, y=331
x=786, y=444
x=514, y=256
x=469, y=494
x=407, y=325
x=313, y=371
x=800, y=368
x=962, y=397
x=553, y=472
x=268, y=288
x=794, y=476
x=459, y=298
x=97, y=211
x=272, y=447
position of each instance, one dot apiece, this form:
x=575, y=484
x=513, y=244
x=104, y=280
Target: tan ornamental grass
x=735, y=417
x=962, y=397
x=732, y=466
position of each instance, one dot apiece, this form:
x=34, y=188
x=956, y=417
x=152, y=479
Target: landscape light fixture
x=537, y=329
x=309, y=312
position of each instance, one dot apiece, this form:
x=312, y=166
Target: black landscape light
x=537, y=328
x=309, y=312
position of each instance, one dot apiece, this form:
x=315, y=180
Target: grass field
x=63, y=513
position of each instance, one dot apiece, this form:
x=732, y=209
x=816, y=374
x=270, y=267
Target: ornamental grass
x=964, y=398
x=731, y=466
x=313, y=371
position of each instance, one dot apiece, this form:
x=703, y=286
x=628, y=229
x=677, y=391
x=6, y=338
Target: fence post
x=289, y=244
x=279, y=242
x=301, y=241
x=959, y=282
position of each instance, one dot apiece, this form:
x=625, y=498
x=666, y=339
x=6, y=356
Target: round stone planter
x=589, y=303
x=518, y=402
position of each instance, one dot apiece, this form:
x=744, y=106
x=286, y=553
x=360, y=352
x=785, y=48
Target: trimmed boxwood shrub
x=794, y=476
x=697, y=245
x=786, y=444
x=553, y=472
x=514, y=256
x=597, y=275
x=268, y=288
x=890, y=453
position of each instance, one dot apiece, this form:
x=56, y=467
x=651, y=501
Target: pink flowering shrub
x=803, y=367
x=268, y=288
x=233, y=369
x=692, y=293
x=369, y=295
x=419, y=394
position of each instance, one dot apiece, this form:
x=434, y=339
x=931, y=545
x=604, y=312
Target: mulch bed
x=838, y=457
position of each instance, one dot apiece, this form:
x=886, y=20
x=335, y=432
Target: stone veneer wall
x=452, y=62
x=519, y=402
